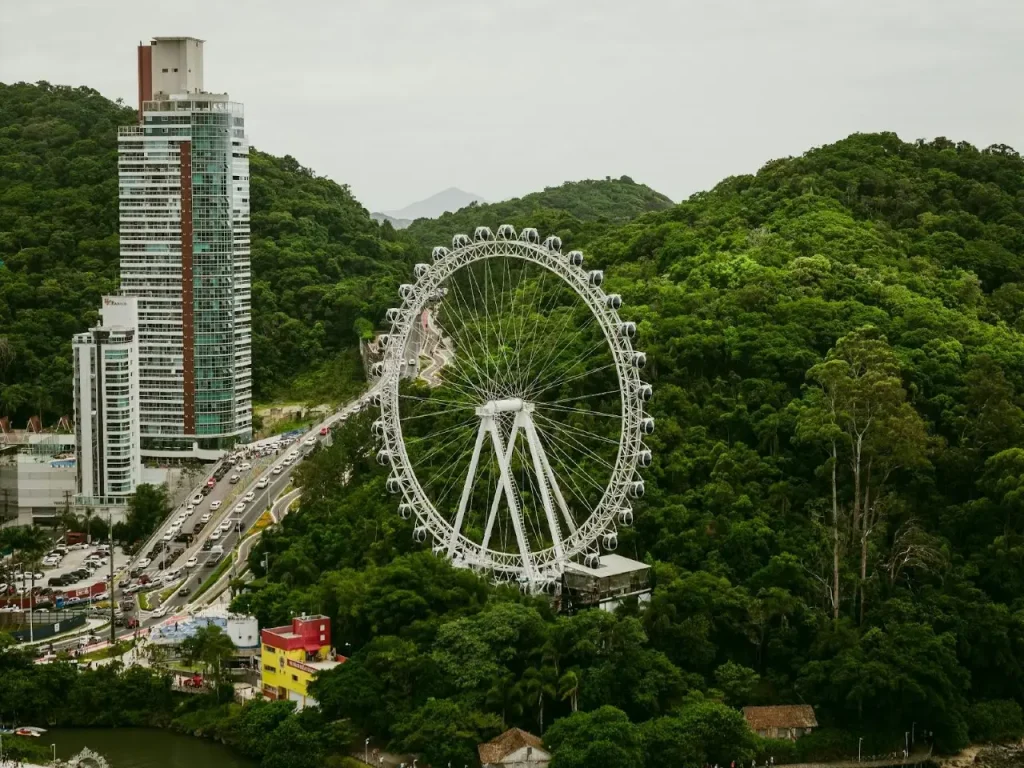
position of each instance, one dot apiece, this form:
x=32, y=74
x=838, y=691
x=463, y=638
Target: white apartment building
x=106, y=365
x=183, y=175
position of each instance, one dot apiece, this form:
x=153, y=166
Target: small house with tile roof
x=783, y=722
x=514, y=748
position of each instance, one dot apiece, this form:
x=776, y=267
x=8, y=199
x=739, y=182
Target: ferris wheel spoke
x=533, y=395
x=466, y=345
x=438, y=449
x=576, y=430
x=580, y=397
x=556, y=342
x=584, y=411
x=547, y=376
x=568, y=474
x=435, y=435
x=534, y=323
x=570, y=444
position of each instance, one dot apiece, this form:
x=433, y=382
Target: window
x=164, y=70
x=268, y=668
x=295, y=678
x=175, y=69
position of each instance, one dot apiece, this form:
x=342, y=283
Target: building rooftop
x=175, y=39
x=784, y=716
x=611, y=565
x=500, y=747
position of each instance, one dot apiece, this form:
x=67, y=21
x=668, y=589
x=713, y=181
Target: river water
x=144, y=748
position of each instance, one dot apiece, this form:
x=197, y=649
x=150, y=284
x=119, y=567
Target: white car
x=215, y=535
x=244, y=466
x=262, y=482
x=215, y=505
x=311, y=440
x=197, y=499
x=278, y=469
x=168, y=536
x=190, y=508
x=287, y=461
x=205, y=517
x=160, y=612
x=180, y=519
x=250, y=496
x=192, y=562
x=239, y=508
x=143, y=563
x=226, y=526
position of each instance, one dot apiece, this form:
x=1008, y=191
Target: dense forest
x=833, y=517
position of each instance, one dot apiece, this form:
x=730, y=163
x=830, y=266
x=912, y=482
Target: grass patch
x=119, y=648
x=212, y=578
x=144, y=601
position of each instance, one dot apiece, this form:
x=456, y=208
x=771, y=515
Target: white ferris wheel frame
x=534, y=569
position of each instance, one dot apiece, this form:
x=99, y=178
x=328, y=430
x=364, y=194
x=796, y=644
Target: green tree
x=603, y=737
x=441, y=731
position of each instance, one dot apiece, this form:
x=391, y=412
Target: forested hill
x=590, y=206
x=837, y=352
x=323, y=271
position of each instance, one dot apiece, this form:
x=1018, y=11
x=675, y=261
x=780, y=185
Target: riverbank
x=146, y=748
x=985, y=756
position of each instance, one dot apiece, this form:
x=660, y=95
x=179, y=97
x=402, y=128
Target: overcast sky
x=402, y=98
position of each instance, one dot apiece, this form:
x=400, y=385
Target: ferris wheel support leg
x=536, y=451
x=467, y=489
x=506, y=455
x=557, y=490
x=516, y=513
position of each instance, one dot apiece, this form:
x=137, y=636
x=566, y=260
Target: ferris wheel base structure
x=516, y=465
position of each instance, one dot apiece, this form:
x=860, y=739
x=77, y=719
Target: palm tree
x=538, y=684
x=569, y=688
x=506, y=695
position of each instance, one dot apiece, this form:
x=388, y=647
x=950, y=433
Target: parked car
x=168, y=536
x=206, y=517
x=215, y=505
x=211, y=482
x=197, y=499
x=277, y=470
x=324, y=431
x=310, y=441
x=207, y=544
x=192, y=562
x=144, y=562
x=250, y=496
x=240, y=507
x=214, y=536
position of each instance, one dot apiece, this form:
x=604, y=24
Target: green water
x=144, y=748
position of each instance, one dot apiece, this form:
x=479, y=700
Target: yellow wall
x=275, y=675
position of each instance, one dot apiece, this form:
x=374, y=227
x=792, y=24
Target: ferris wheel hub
x=508, y=405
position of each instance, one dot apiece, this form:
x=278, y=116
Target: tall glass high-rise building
x=183, y=173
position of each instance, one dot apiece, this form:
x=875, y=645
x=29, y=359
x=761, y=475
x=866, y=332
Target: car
x=215, y=505
x=278, y=469
x=192, y=562
x=287, y=461
x=262, y=482
x=197, y=499
x=143, y=563
x=183, y=538
x=206, y=545
x=204, y=491
x=250, y=496
x=56, y=581
x=324, y=431
x=189, y=508
x=160, y=612
x=244, y=466
x=234, y=479
x=240, y=507
x=215, y=535
x=210, y=562
x=226, y=526
x=184, y=591
x=310, y=441
x=211, y=482
x=167, y=536
x=205, y=518
x=144, y=579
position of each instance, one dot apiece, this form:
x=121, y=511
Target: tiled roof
x=788, y=716
x=498, y=748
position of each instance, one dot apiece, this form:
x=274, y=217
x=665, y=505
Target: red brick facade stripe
x=188, y=333
x=145, y=76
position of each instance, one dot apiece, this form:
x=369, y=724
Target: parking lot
x=75, y=560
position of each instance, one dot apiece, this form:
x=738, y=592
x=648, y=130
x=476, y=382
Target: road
x=229, y=495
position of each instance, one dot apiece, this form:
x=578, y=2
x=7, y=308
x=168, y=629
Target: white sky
x=403, y=98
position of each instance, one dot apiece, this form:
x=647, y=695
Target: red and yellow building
x=291, y=655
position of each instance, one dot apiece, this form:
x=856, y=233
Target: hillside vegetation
x=580, y=206
x=323, y=270
x=833, y=512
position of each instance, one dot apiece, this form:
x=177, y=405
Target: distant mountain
x=396, y=223
x=451, y=199
x=584, y=208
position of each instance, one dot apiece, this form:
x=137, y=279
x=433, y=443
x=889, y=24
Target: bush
x=827, y=744
x=997, y=721
x=782, y=750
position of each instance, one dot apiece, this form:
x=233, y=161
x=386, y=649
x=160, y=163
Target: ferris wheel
x=517, y=442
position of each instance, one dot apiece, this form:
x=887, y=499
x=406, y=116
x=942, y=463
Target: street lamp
x=859, y=742
x=53, y=747
x=366, y=751
x=906, y=737
x=913, y=734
